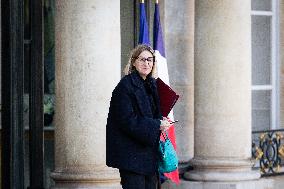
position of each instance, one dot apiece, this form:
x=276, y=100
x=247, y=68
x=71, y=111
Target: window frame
x=275, y=81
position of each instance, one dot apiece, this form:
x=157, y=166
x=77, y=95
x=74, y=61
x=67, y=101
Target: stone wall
x=178, y=17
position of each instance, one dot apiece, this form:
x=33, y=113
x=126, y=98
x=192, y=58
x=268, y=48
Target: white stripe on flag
x=162, y=70
x=162, y=67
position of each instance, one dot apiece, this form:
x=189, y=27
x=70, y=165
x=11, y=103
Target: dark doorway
x=22, y=89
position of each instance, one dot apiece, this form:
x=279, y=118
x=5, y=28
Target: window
x=265, y=93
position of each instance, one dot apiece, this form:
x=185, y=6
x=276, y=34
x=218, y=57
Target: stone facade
x=179, y=41
x=211, y=123
x=201, y=37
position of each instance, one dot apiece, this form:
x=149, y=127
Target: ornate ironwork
x=268, y=151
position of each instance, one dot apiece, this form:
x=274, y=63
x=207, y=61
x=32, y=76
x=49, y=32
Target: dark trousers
x=131, y=180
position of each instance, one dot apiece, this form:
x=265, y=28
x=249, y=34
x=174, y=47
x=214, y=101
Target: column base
x=256, y=184
x=108, y=179
x=220, y=170
x=219, y=176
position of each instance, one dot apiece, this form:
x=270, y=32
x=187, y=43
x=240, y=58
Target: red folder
x=168, y=97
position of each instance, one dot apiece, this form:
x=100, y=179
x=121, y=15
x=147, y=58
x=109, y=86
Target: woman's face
x=144, y=63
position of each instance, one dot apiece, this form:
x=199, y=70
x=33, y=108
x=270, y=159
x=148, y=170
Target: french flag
x=162, y=69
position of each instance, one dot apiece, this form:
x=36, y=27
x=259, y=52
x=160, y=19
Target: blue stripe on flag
x=158, y=33
x=143, y=30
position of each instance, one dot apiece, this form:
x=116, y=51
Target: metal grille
x=268, y=151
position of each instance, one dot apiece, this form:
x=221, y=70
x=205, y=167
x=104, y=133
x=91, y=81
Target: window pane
x=262, y=5
x=261, y=108
x=261, y=50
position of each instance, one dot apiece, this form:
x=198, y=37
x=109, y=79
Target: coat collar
x=141, y=94
x=138, y=81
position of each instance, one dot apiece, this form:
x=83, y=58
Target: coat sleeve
x=143, y=129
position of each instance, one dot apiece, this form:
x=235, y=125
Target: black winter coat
x=133, y=130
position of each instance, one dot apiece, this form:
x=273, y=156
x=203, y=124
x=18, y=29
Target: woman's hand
x=165, y=124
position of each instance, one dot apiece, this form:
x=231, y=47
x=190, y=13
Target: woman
x=134, y=123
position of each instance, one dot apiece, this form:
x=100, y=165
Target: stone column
x=179, y=41
x=222, y=95
x=87, y=70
